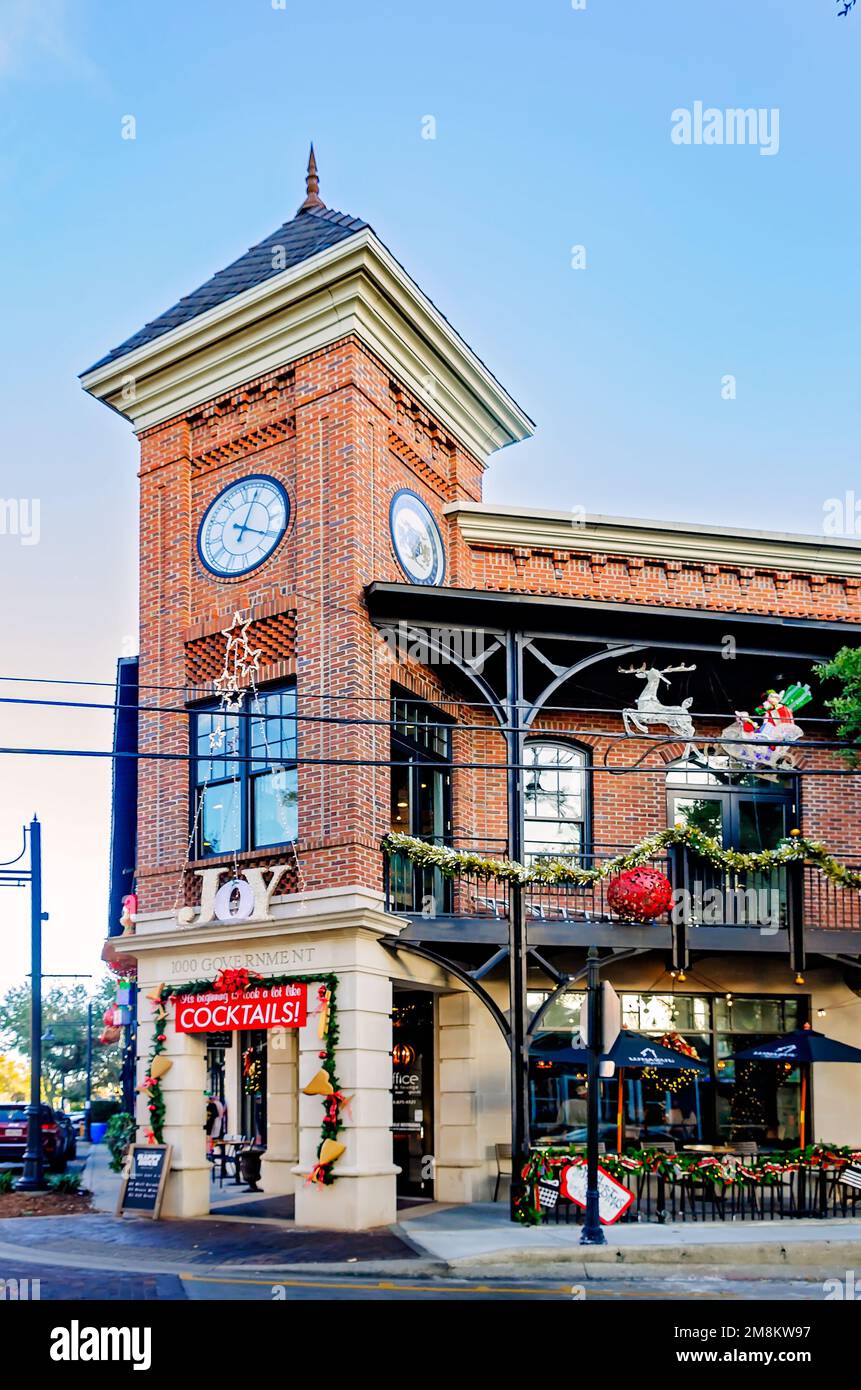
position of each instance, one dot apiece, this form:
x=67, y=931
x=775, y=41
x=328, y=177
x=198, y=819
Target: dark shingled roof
x=313, y=229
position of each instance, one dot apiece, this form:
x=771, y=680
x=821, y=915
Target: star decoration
x=241, y=663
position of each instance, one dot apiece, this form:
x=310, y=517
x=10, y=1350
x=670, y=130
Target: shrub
x=7, y=1182
x=120, y=1133
x=65, y=1182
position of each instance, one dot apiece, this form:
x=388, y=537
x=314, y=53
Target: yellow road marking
x=386, y=1286
x=382, y=1285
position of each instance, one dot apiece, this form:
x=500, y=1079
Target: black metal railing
x=803, y=1192
x=704, y=894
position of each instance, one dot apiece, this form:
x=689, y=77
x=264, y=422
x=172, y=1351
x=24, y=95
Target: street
x=93, y=1285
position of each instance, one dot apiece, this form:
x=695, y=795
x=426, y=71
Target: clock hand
x=247, y=515
x=255, y=530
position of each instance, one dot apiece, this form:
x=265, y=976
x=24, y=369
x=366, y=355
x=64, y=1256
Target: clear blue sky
x=553, y=130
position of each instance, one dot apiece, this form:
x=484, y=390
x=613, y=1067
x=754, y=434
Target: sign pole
x=592, y=1233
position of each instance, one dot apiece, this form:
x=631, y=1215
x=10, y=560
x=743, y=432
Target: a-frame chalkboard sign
x=144, y=1177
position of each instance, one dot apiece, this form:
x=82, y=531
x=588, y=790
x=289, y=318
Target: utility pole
x=33, y=1179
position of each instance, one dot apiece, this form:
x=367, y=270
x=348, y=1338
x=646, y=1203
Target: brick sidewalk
x=210, y=1242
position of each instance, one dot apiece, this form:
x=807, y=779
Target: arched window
x=554, y=800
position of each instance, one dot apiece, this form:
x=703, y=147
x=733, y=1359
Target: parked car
x=66, y=1124
x=78, y=1118
x=13, y=1136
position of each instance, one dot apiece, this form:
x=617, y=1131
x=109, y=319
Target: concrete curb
x=571, y=1273
x=801, y=1255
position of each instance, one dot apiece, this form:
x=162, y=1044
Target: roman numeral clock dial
x=242, y=525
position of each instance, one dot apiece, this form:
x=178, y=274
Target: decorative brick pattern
x=276, y=638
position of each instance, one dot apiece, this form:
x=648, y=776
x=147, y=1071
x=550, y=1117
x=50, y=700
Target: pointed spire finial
x=312, y=185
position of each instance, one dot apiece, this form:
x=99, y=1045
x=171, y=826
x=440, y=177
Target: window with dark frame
x=243, y=805
x=738, y=1101
x=420, y=798
x=555, y=800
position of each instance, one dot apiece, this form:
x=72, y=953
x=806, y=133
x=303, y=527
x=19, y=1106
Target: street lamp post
x=88, y=1098
x=592, y=1233
x=33, y=1179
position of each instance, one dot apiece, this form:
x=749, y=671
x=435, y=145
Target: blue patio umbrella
x=633, y=1050
x=801, y=1046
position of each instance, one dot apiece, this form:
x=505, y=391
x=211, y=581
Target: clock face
x=243, y=525
x=416, y=539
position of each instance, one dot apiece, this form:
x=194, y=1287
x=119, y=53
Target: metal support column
x=516, y=922
x=795, y=907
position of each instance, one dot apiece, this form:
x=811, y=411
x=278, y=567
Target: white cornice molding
x=482, y=524
x=356, y=287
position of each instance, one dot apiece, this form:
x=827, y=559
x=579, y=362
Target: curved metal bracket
x=567, y=672
x=565, y=981
x=459, y=973
x=4, y=864
x=467, y=668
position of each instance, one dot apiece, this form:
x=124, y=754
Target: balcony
x=720, y=911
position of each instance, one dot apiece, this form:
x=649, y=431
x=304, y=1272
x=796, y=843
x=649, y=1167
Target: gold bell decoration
x=319, y=1085
x=160, y=1066
x=330, y=1149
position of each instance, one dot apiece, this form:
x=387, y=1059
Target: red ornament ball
x=640, y=895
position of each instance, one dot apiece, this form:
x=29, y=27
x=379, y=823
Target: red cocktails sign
x=282, y=1006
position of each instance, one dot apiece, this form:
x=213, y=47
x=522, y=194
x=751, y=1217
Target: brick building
x=314, y=435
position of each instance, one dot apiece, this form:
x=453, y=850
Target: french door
x=743, y=819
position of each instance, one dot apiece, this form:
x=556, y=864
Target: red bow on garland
x=336, y=1102
x=233, y=981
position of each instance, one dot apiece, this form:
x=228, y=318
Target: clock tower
x=305, y=417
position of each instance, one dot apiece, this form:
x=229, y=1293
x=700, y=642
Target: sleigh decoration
x=773, y=719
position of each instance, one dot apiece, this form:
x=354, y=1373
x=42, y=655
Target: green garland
x=331, y=1124
x=544, y=1163
x=453, y=863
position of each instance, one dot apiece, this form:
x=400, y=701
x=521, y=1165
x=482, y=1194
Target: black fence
x=694, y=1196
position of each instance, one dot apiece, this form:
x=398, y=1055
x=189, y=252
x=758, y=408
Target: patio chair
x=486, y=906
x=503, y=1157
x=747, y=1148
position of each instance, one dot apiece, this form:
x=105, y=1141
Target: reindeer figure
x=650, y=710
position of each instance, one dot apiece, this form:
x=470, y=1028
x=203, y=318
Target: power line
x=431, y=765
x=358, y=721
x=193, y=693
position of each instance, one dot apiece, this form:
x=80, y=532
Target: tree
x=14, y=1079
x=845, y=667
x=64, y=1030
x=846, y=6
